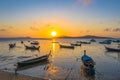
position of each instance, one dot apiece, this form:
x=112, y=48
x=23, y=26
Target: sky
x=38, y=18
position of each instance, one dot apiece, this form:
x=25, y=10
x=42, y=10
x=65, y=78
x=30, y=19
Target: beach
x=11, y=76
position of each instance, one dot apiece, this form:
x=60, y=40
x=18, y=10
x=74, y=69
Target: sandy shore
x=12, y=76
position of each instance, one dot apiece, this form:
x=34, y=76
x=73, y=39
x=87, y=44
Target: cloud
x=86, y=2
x=113, y=29
x=34, y=28
x=11, y=27
x=87, y=30
x=107, y=29
x=3, y=30
x=116, y=30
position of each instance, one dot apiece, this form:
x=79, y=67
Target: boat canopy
x=86, y=58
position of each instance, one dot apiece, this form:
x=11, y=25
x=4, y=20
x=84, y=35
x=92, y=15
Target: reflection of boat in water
x=85, y=75
x=66, y=46
x=88, y=64
x=40, y=59
x=112, y=49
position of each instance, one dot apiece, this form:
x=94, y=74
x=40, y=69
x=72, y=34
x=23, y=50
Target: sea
x=64, y=64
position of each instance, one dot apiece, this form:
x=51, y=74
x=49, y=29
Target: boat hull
x=112, y=49
x=33, y=61
x=69, y=47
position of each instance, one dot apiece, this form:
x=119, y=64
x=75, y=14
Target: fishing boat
x=116, y=41
x=75, y=44
x=88, y=64
x=66, y=46
x=35, y=42
x=32, y=47
x=92, y=40
x=106, y=41
x=40, y=59
x=12, y=45
x=83, y=42
x=112, y=49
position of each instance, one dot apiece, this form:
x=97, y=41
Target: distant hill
x=87, y=36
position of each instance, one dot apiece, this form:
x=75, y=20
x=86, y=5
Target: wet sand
x=12, y=76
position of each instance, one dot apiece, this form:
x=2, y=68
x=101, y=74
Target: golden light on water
x=53, y=33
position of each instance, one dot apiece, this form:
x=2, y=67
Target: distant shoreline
x=63, y=37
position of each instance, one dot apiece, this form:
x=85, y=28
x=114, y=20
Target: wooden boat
x=75, y=44
x=112, y=49
x=88, y=64
x=83, y=42
x=35, y=42
x=32, y=47
x=105, y=42
x=92, y=40
x=40, y=59
x=116, y=41
x=12, y=45
x=66, y=46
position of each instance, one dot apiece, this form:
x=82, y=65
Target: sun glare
x=53, y=33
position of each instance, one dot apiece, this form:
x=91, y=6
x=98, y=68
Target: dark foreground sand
x=12, y=76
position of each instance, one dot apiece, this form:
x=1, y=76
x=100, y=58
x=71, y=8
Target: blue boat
x=88, y=64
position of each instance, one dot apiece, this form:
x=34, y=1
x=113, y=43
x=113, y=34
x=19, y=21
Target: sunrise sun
x=53, y=33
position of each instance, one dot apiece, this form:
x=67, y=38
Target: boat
x=88, y=64
x=12, y=45
x=40, y=59
x=112, y=49
x=75, y=44
x=105, y=42
x=35, y=42
x=83, y=42
x=32, y=47
x=66, y=46
x=92, y=40
x=116, y=41
x=108, y=41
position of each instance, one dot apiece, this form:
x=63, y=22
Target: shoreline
x=12, y=76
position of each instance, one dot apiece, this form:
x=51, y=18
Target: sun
x=53, y=33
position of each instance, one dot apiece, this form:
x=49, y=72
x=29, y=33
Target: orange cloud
x=2, y=29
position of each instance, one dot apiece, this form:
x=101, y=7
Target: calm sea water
x=64, y=64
